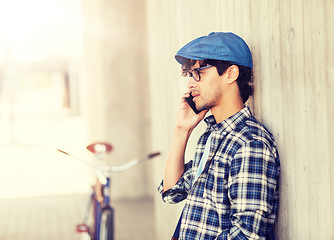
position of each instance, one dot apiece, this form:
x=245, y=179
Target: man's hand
x=187, y=119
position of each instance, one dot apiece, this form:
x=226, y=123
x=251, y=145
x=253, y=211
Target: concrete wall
x=116, y=87
x=292, y=46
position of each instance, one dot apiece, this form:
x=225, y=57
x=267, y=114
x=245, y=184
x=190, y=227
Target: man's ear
x=232, y=73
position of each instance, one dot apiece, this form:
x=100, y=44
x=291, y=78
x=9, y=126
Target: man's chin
x=202, y=107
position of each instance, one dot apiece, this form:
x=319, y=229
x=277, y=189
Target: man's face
x=208, y=91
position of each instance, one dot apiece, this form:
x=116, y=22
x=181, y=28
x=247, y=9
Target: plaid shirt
x=236, y=196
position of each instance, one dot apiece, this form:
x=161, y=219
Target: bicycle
x=103, y=213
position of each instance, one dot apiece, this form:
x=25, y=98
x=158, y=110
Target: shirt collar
x=230, y=123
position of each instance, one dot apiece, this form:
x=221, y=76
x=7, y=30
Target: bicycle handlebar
x=119, y=168
x=152, y=155
x=132, y=163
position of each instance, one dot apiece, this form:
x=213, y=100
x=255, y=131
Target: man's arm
x=187, y=120
x=252, y=192
x=174, y=167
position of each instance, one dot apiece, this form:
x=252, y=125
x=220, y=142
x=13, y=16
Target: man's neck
x=227, y=109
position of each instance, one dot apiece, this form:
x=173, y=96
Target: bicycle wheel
x=107, y=224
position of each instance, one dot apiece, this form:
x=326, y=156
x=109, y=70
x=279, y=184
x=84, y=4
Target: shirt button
x=224, y=133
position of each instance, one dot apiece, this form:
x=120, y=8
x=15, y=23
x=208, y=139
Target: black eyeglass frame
x=197, y=70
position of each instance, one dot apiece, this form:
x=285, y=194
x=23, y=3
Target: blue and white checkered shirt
x=236, y=196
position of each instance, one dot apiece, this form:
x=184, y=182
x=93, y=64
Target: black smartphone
x=191, y=103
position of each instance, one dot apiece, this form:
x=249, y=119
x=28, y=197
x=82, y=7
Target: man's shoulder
x=253, y=130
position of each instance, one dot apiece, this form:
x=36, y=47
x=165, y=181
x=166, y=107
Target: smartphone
x=191, y=103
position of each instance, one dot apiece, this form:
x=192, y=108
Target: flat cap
x=225, y=46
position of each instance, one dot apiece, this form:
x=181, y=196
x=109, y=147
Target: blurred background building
x=74, y=72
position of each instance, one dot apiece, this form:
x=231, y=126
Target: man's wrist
x=182, y=131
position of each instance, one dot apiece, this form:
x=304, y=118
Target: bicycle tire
x=107, y=224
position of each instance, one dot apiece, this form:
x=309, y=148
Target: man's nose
x=191, y=82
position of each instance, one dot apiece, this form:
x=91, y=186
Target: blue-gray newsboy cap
x=224, y=46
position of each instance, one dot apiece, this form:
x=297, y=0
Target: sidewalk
x=55, y=217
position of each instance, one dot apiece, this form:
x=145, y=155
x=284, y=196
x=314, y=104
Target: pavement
x=55, y=218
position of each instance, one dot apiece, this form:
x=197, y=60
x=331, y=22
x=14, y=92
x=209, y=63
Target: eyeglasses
x=195, y=73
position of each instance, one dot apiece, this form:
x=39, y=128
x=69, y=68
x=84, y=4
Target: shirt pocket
x=216, y=186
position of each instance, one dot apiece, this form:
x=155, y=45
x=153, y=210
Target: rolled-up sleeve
x=180, y=190
x=252, y=192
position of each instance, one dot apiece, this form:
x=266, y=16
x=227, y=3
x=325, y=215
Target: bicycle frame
x=100, y=207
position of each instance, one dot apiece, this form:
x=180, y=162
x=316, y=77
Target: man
x=231, y=186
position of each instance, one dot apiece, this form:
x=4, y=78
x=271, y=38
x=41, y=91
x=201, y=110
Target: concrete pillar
x=116, y=91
